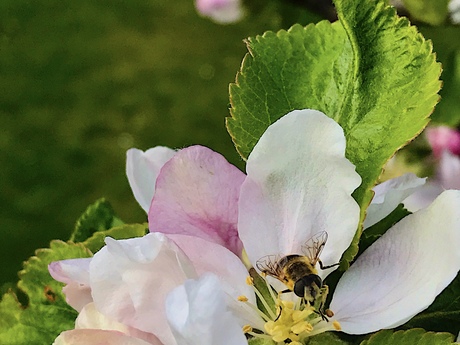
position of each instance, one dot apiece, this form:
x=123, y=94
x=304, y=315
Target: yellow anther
x=293, y=337
x=336, y=325
x=247, y=329
x=302, y=327
x=242, y=298
x=249, y=280
x=298, y=315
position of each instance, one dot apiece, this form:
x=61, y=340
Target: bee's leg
x=321, y=302
x=326, y=267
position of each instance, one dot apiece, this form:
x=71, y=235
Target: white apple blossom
x=189, y=286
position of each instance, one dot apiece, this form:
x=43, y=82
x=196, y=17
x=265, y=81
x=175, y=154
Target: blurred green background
x=83, y=81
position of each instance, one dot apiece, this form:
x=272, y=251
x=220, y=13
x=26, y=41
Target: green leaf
x=443, y=314
x=97, y=217
x=46, y=313
x=374, y=232
x=410, y=337
x=96, y=242
x=433, y=12
x=371, y=72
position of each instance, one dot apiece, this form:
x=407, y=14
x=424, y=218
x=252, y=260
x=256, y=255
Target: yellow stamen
x=249, y=281
x=336, y=325
x=242, y=298
x=247, y=329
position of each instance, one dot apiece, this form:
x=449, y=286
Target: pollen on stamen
x=247, y=329
x=242, y=298
x=336, y=325
x=249, y=281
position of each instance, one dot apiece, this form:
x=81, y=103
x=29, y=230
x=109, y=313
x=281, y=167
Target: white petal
x=299, y=183
x=131, y=278
x=214, y=258
x=402, y=272
x=424, y=196
x=198, y=315
x=142, y=169
x=389, y=194
x=449, y=170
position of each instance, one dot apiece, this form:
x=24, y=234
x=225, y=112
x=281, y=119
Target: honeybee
x=298, y=272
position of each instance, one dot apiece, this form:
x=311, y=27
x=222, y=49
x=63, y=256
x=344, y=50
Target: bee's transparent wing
x=269, y=265
x=313, y=247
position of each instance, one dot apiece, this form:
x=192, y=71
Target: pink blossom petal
x=443, y=138
x=198, y=314
x=299, y=183
x=142, y=169
x=402, y=272
x=221, y=11
x=74, y=273
x=197, y=194
x=131, y=278
x=98, y=337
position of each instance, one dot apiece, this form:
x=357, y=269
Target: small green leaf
x=96, y=242
x=46, y=313
x=443, y=314
x=97, y=217
x=410, y=337
x=433, y=12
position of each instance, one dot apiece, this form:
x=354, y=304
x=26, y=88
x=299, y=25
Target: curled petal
x=198, y=315
x=197, y=194
x=74, y=273
x=98, y=337
x=299, y=183
x=142, y=169
x=214, y=258
x=131, y=278
x=403, y=271
x=389, y=194
x=91, y=318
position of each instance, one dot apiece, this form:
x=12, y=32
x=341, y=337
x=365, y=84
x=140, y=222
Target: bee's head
x=308, y=286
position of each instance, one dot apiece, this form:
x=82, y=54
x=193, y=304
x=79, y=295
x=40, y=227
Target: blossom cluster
x=188, y=280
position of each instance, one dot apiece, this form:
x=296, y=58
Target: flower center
x=289, y=322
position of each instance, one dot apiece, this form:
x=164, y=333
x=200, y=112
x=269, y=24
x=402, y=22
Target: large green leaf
x=371, y=72
x=410, y=337
x=46, y=313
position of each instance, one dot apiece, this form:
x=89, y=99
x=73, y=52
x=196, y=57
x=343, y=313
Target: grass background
x=83, y=81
